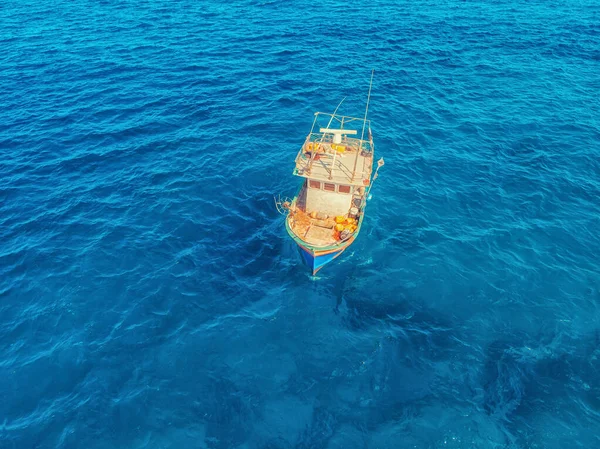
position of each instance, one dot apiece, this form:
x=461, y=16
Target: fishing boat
x=327, y=213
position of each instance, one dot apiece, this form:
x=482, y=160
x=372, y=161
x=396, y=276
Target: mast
x=312, y=156
x=362, y=135
x=335, y=153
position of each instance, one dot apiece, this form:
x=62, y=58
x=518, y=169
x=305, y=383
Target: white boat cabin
x=327, y=197
x=337, y=167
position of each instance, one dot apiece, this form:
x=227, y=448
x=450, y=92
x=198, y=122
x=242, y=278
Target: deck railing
x=351, y=142
x=322, y=144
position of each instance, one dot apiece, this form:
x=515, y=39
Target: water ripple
x=151, y=298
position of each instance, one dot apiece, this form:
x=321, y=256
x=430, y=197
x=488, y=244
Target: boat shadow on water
x=543, y=379
x=507, y=382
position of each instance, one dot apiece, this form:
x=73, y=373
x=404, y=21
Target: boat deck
x=318, y=230
x=312, y=230
x=331, y=165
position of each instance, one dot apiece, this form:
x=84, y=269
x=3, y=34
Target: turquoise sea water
x=150, y=297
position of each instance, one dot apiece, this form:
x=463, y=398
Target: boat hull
x=316, y=259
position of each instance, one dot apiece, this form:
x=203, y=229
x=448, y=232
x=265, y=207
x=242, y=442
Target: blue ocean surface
x=151, y=298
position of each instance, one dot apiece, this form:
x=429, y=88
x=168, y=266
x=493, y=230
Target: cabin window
x=329, y=187
x=344, y=189
x=314, y=184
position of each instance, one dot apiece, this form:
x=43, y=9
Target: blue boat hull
x=315, y=260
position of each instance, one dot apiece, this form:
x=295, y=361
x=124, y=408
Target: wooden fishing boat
x=327, y=213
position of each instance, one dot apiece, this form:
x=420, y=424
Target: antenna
x=312, y=156
x=367, y=109
x=333, y=115
x=362, y=134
